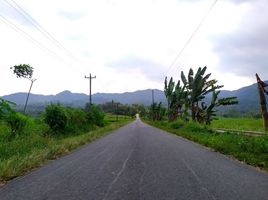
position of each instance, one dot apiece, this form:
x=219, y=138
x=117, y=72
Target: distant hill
x=79, y=99
x=247, y=96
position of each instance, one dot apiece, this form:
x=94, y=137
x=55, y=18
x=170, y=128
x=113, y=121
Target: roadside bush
x=56, y=118
x=176, y=124
x=94, y=115
x=17, y=122
x=77, y=120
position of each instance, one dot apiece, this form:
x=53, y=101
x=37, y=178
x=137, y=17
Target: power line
x=33, y=40
x=40, y=28
x=191, y=36
x=28, y=36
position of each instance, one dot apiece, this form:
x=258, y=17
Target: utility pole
x=25, y=106
x=153, y=96
x=117, y=111
x=153, y=104
x=90, y=77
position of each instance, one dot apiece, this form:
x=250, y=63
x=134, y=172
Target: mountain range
x=79, y=99
x=247, y=96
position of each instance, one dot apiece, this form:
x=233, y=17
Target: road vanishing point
x=140, y=162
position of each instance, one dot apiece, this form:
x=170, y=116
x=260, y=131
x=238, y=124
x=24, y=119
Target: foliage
x=5, y=108
x=23, y=70
x=76, y=120
x=192, y=94
x=31, y=150
x=17, y=122
x=123, y=109
x=176, y=98
x=177, y=124
x=56, y=118
x=94, y=115
x=156, y=111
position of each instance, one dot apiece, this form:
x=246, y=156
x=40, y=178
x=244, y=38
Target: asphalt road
x=140, y=162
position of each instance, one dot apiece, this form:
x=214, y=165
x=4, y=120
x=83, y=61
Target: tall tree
x=24, y=71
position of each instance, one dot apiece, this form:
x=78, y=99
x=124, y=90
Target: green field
x=251, y=150
x=247, y=124
x=34, y=148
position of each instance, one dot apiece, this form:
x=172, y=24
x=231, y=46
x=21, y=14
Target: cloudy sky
x=130, y=45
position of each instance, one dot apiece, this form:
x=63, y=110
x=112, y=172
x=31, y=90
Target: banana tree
x=168, y=90
x=198, y=86
x=176, y=98
x=210, y=111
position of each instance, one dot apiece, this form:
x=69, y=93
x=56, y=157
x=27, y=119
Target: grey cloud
x=245, y=51
x=153, y=71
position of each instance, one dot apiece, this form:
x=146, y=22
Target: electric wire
x=40, y=28
x=27, y=36
x=191, y=36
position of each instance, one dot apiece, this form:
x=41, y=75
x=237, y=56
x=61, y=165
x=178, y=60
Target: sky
x=130, y=45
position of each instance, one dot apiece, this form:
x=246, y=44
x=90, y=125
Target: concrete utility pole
x=90, y=77
x=26, y=103
x=153, y=96
x=153, y=104
x=261, y=89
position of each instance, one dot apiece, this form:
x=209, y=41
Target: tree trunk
x=263, y=105
x=193, y=111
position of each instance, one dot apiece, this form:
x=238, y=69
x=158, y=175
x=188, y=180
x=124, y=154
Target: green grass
x=33, y=148
x=251, y=150
x=247, y=124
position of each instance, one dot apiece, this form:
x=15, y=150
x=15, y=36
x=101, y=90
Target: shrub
x=16, y=121
x=5, y=108
x=76, y=119
x=177, y=124
x=56, y=118
x=94, y=115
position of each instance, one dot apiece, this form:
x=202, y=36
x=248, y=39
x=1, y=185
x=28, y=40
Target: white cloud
x=144, y=36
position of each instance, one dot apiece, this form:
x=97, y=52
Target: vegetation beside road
x=245, y=124
x=58, y=131
x=251, y=150
x=192, y=113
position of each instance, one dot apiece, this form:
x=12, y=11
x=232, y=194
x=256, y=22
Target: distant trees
x=124, y=109
x=191, y=95
x=24, y=71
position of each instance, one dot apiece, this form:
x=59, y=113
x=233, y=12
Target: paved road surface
x=140, y=162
